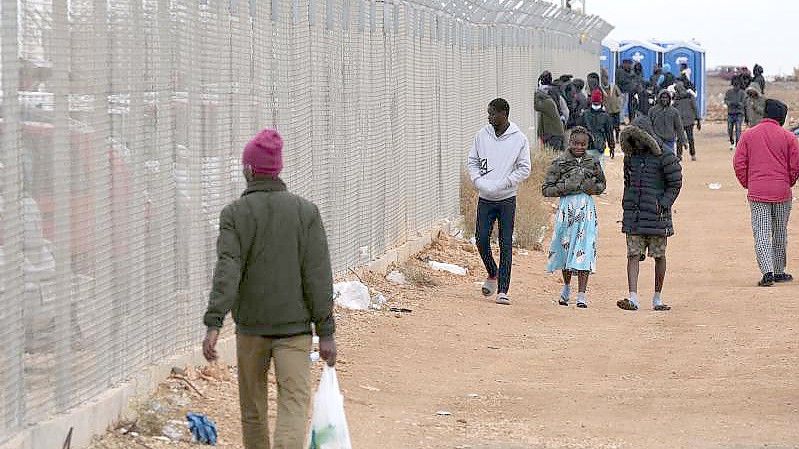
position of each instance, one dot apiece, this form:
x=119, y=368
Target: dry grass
x=533, y=211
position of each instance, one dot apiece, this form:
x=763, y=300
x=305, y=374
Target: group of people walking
x=745, y=102
x=766, y=163
x=499, y=161
x=562, y=104
x=668, y=100
x=274, y=274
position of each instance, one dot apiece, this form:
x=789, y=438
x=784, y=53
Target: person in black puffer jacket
x=652, y=182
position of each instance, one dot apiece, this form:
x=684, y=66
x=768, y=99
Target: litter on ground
x=352, y=295
x=448, y=267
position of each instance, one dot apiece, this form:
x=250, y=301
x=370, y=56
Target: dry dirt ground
x=720, y=370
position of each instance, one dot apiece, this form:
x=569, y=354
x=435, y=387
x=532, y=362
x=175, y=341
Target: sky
x=733, y=32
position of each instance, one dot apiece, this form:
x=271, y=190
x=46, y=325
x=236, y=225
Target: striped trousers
x=770, y=227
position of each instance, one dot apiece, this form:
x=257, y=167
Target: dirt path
x=718, y=371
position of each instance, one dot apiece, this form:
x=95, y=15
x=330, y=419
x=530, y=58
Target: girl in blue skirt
x=574, y=177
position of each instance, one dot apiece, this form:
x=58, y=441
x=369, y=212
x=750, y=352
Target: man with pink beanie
x=273, y=273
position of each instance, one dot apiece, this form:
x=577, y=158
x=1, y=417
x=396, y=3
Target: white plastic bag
x=329, y=424
x=352, y=295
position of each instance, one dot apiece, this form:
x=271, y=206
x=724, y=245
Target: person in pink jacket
x=767, y=165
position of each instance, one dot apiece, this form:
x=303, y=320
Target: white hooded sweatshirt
x=497, y=165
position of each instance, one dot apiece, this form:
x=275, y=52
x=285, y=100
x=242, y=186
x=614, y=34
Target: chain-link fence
x=122, y=125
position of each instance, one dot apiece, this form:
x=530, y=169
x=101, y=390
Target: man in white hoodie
x=498, y=162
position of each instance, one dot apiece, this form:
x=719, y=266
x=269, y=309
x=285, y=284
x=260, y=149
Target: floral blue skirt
x=573, y=245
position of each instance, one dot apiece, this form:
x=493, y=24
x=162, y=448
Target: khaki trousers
x=292, y=370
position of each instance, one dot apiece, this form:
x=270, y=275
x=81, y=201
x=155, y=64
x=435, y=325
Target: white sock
x=581, y=298
x=656, y=301
x=634, y=298
x=566, y=292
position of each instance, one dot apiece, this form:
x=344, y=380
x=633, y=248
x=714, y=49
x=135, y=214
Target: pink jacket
x=767, y=162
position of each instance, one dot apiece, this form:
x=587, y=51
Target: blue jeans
x=503, y=212
x=734, y=124
x=668, y=146
x=625, y=104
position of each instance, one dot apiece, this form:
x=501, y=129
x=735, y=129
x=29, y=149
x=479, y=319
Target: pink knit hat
x=264, y=153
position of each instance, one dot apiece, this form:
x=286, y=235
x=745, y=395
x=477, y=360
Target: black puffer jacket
x=652, y=182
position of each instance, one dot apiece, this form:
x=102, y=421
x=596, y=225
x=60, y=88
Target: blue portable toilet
x=647, y=53
x=694, y=56
x=609, y=58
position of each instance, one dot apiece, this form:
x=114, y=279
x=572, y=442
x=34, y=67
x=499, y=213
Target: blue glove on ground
x=202, y=428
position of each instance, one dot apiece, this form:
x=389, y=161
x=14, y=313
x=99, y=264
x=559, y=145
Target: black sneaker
x=767, y=281
x=783, y=277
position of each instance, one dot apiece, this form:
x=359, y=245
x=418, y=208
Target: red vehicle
x=36, y=145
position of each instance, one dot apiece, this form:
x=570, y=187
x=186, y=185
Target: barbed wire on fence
x=122, y=127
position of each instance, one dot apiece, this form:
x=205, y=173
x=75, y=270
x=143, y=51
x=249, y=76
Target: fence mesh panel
x=122, y=123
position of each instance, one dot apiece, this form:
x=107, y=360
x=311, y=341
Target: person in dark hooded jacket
x=686, y=104
x=579, y=102
x=685, y=77
x=666, y=78
x=755, y=108
x=744, y=77
x=652, y=183
x=550, y=127
x=566, y=85
x=735, y=100
x=758, y=79
x=612, y=102
x=593, y=82
x=548, y=85
x=657, y=73
x=640, y=95
x=599, y=124
x=666, y=122
x=624, y=79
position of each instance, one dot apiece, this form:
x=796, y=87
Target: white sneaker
x=503, y=299
x=489, y=287
x=732, y=147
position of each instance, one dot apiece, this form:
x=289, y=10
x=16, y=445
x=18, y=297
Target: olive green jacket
x=273, y=269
